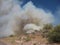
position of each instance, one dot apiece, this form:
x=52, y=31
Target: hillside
x=30, y=39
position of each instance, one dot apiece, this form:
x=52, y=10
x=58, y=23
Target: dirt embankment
x=31, y=39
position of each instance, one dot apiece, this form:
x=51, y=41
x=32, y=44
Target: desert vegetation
x=52, y=33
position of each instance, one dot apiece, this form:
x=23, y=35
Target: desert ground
x=30, y=39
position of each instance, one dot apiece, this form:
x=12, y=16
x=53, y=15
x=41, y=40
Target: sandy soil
x=30, y=39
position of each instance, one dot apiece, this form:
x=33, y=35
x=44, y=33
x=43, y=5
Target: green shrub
x=46, y=30
x=48, y=26
x=54, y=35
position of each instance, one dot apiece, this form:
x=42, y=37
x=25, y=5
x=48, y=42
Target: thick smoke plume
x=13, y=18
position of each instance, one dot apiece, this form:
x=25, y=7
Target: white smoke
x=29, y=28
x=40, y=14
x=57, y=16
x=14, y=18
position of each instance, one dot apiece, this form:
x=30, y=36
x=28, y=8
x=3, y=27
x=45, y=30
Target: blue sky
x=52, y=5
x=46, y=4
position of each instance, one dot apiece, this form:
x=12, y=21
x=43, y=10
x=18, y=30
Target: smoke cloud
x=57, y=16
x=13, y=18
